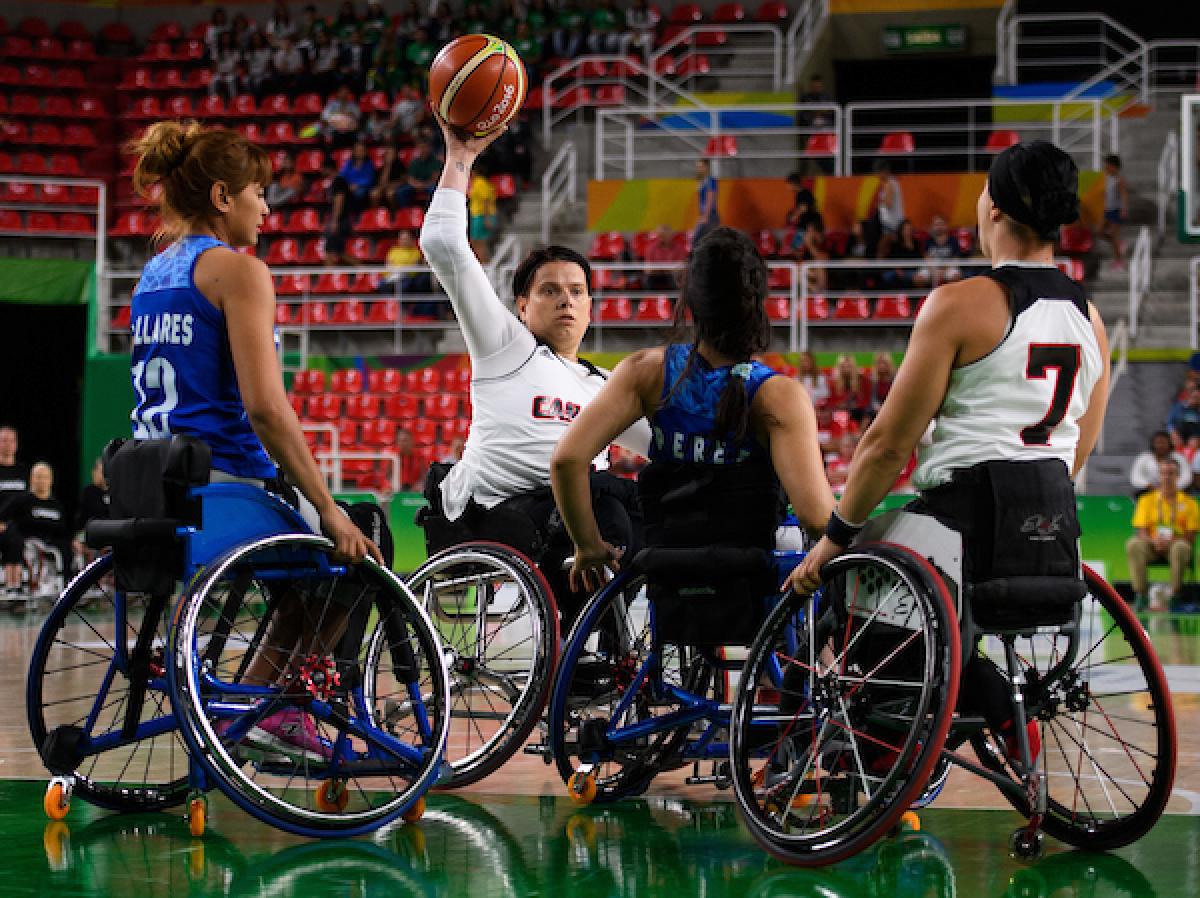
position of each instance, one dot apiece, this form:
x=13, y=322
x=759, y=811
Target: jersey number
x=1064, y=359
x=158, y=377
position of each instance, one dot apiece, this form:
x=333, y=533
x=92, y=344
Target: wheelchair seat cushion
x=1018, y=603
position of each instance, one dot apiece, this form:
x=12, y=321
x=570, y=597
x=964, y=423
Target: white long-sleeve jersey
x=523, y=393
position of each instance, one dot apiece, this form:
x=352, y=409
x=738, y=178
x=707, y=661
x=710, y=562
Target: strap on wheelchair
x=139, y=663
x=1020, y=602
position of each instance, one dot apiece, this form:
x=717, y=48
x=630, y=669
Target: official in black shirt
x=38, y=515
x=14, y=482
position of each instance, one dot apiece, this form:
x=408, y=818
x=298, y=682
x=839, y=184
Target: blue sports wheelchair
x=216, y=609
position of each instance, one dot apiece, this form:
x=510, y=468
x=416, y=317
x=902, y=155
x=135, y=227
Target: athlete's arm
x=241, y=286
x=1093, y=418
x=620, y=403
x=488, y=327
x=785, y=412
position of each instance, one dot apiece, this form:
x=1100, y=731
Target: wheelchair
x=866, y=713
x=642, y=684
x=145, y=700
x=498, y=622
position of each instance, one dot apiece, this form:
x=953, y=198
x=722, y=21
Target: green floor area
x=529, y=846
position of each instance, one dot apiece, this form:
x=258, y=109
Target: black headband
x=1040, y=165
x=1006, y=191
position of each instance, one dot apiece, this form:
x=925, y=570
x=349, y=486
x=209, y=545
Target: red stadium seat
x=24, y=104
x=966, y=240
x=400, y=406
x=852, y=308
x=384, y=311
x=535, y=99
x=375, y=221
x=331, y=283
x=375, y=100
x=358, y=405
x=10, y=74
x=75, y=223
x=347, y=434
x=440, y=407
x=656, y=310
x=347, y=311
x=58, y=107
x=692, y=64
x=304, y=221
x=179, y=107
x=65, y=166
x=279, y=133
x=614, y=309
x=199, y=79
x=314, y=313
x=607, y=247
x=243, y=105
x=767, y=244
x=190, y=51
x=309, y=162
x=293, y=285
x=359, y=249
x=891, y=308
x=88, y=106
x=423, y=380
x=309, y=381
x=610, y=95
x=822, y=144
x=251, y=131
x=722, y=145
x=273, y=224
x=285, y=251
x=729, y=13
x=686, y=14
x=378, y=433
x=818, y=308
x=1075, y=240
x=999, y=141
x=424, y=432
x=122, y=319
x=157, y=51
x=45, y=134
x=456, y=429
x=147, y=107
x=79, y=136
x=572, y=97
x=275, y=104
x=307, y=104
x=506, y=186
x=409, y=219
x=132, y=224
x=6, y=164
x=779, y=278
x=592, y=68
x=117, y=33
x=773, y=12
x=71, y=30
x=212, y=106
x=897, y=143
x=284, y=314
x=366, y=283
x=41, y=222
x=607, y=279
x=41, y=76
x=457, y=380
x=10, y=220
x=51, y=193
x=384, y=380
x=779, y=308
x=166, y=31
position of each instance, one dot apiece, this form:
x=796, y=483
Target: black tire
x=76, y=656
x=1107, y=784
x=610, y=643
x=825, y=762
x=387, y=744
x=499, y=683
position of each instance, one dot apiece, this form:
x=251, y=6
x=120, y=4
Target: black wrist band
x=839, y=531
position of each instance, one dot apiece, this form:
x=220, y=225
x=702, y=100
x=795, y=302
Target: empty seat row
x=61, y=165
x=38, y=75
x=661, y=310
x=331, y=407
x=47, y=134
x=30, y=105
x=383, y=381
x=16, y=193
x=17, y=46
x=50, y=224
x=350, y=312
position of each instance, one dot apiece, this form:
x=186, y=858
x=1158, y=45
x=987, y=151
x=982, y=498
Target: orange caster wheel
x=57, y=800
x=415, y=811
x=582, y=787
x=332, y=796
x=910, y=821
x=197, y=816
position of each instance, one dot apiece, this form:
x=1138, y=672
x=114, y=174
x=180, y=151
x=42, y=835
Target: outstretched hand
x=460, y=142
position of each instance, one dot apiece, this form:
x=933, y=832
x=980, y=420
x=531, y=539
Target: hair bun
x=1055, y=208
x=162, y=147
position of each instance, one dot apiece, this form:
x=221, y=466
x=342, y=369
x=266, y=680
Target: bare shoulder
x=780, y=398
x=221, y=272
x=643, y=362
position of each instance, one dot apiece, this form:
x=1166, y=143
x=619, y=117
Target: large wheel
x=376, y=726
x=843, y=706
x=78, y=692
x=498, y=624
x=1107, y=726
x=614, y=674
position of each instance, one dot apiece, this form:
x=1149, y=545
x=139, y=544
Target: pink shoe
x=292, y=733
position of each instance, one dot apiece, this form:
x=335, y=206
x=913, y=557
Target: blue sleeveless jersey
x=183, y=376
x=682, y=427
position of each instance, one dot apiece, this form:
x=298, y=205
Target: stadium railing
x=737, y=59
x=802, y=34
x=623, y=142
x=1167, y=182
x=1194, y=302
x=1141, y=270
x=67, y=196
x=560, y=185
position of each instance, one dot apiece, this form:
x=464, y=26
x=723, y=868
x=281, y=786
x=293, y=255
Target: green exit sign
x=924, y=38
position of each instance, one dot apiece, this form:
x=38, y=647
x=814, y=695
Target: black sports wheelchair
x=845, y=710
x=219, y=609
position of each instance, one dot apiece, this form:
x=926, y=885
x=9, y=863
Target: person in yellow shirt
x=481, y=200
x=405, y=254
x=1165, y=523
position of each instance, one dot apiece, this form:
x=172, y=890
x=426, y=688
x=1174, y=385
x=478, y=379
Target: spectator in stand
x=513, y=152
x=324, y=60
x=377, y=129
x=889, y=208
x=809, y=246
x=1165, y=522
x=475, y=21
x=407, y=110
x=706, y=200
x=569, y=27
x=804, y=204
x=311, y=25
x=218, y=24
x=347, y=20
x=406, y=254
x=340, y=119
x=882, y=376
x=351, y=189
x=837, y=464
x=848, y=390
x=1144, y=473
x=37, y=514
x=604, y=32
x=287, y=66
x=812, y=379
x=540, y=16
x=1116, y=207
x=856, y=246
x=903, y=248
x=1184, y=420
x=353, y=60
x=816, y=93
x=423, y=172
x=14, y=483
x=661, y=250
x=483, y=222
x=530, y=47
x=225, y=61
x=287, y=185
x=419, y=54
x=941, y=247
x=242, y=30
x=392, y=176
x=412, y=471
x=641, y=19
x=258, y=64
x=280, y=25
x=454, y=451
x=442, y=26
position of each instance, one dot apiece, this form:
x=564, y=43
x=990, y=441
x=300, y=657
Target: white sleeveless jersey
x=1023, y=400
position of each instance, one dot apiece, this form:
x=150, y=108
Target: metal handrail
x=738, y=67
x=1141, y=264
x=1167, y=181
x=505, y=259
x=560, y=185
x=1194, y=302
x=1118, y=345
x=1006, y=62
x=802, y=35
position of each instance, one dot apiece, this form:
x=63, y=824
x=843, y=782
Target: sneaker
x=291, y=733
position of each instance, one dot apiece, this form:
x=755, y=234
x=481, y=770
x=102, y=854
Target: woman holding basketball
x=528, y=382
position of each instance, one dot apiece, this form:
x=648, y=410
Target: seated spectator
x=476, y=21
x=812, y=378
x=340, y=119
x=941, y=247
x=904, y=247
x=529, y=47
x=641, y=20
x=412, y=470
x=661, y=250
x=287, y=185
x=311, y=25
x=323, y=61
x=454, y=451
x=808, y=245
x=569, y=27
x=848, y=390
x=1184, y=421
x=1144, y=473
x=353, y=60
x=258, y=64
x=419, y=54
x=889, y=209
x=225, y=59
x=38, y=515
x=346, y=21
x=539, y=15
x=392, y=176
x=1165, y=522
x=351, y=189
x=483, y=222
x=605, y=34
x=377, y=129
x=280, y=27
x=423, y=172
x=218, y=24
x=405, y=254
x=882, y=376
x=407, y=111
x=804, y=205
x=816, y=93
x=512, y=153
x=242, y=30
x=14, y=483
x=287, y=66
x=837, y=464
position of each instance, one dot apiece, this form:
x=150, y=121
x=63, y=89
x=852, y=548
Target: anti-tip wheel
x=582, y=787
x=57, y=800
x=197, y=816
x=415, y=811
x=1025, y=845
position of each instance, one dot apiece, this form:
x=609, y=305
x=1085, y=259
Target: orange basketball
x=477, y=83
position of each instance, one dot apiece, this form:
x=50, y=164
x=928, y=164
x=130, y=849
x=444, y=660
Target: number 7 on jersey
x=1064, y=360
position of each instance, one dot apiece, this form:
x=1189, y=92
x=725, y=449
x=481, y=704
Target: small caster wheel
x=332, y=796
x=1025, y=845
x=582, y=787
x=415, y=811
x=57, y=800
x=197, y=816
x=581, y=831
x=910, y=821
x=56, y=841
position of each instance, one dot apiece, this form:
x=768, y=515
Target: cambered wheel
x=498, y=624
x=868, y=672
x=1107, y=726
x=374, y=720
x=79, y=689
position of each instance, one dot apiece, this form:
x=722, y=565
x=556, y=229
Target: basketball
x=477, y=83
